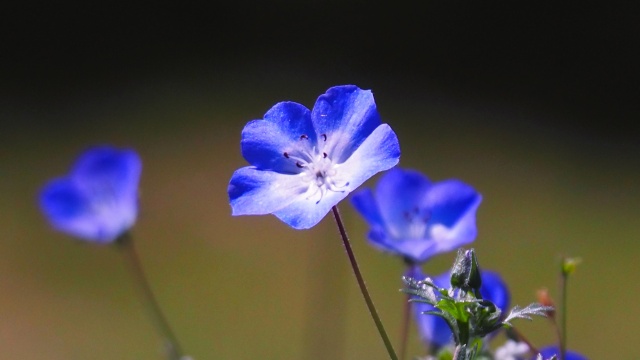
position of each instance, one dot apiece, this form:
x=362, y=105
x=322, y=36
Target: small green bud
x=569, y=265
x=461, y=266
x=465, y=273
x=475, y=280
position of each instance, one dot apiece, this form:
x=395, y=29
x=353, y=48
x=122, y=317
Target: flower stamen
x=318, y=170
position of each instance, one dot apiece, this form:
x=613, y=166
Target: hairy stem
x=363, y=286
x=125, y=243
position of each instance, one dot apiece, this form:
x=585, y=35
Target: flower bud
x=465, y=273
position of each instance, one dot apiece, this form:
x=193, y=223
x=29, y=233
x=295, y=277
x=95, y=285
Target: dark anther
x=324, y=155
x=299, y=165
x=426, y=218
x=303, y=136
x=324, y=137
x=286, y=154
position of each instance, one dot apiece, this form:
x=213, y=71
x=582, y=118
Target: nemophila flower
x=97, y=201
x=412, y=217
x=304, y=162
x=549, y=351
x=433, y=329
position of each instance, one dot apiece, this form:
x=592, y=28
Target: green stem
x=125, y=243
x=363, y=286
x=563, y=314
x=463, y=333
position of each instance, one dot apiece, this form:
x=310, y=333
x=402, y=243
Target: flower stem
x=406, y=320
x=125, y=243
x=363, y=286
x=563, y=314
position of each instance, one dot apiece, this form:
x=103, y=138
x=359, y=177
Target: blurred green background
x=536, y=107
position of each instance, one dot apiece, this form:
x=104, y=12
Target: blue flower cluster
x=302, y=163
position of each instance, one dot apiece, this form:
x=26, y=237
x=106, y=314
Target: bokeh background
x=534, y=104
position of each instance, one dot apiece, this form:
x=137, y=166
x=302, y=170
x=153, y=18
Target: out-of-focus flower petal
x=494, y=289
x=420, y=219
x=433, y=329
x=366, y=204
x=98, y=200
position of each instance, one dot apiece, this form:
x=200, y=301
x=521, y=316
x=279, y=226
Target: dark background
x=574, y=63
x=535, y=104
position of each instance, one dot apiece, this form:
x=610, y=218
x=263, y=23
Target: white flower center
x=316, y=168
x=415, y=226
x=103, y=201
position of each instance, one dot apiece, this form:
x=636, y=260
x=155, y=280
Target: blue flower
x=549, y=351
x=97, y=201
x=414, y=218
x=304, y=162
x=433, y=329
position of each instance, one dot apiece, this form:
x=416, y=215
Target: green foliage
x=470, y=317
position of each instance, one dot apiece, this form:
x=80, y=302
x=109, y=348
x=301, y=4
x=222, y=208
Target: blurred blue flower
x=412, y=217
x=97, y=201
x=549, y=351
x=304, y=162
x=433, y=329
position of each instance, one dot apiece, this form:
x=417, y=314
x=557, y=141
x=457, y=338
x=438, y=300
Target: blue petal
x=411, y=249
x=347, y=115
x=364, y=202
x=495, y=289
x=400, y=192
x=105, y=166
x=71, y=211
x=98, y=201
x=265, y=141
x=453, y=220
x=433, y=329
x=258, y=192
x=305, y=213
x=378, y=152
x=549, y=351
x=62, y=202
x=450, y=201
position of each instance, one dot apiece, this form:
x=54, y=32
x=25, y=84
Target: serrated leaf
x=527, y=312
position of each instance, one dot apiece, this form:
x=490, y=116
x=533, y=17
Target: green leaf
x=527, y=312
